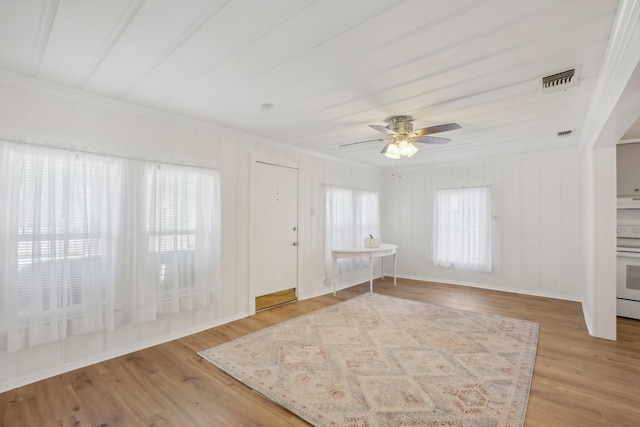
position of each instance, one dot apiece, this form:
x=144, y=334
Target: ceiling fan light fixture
x=401, y=137
x=392, y=151
x=404, y=147
x=412, y=150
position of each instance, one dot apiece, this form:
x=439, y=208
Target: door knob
x=295, y=243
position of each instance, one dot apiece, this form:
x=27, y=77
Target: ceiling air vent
x=565, y=133
x=562, y=80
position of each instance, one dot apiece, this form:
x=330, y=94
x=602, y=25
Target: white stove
x=628, y=270
x=628, y=251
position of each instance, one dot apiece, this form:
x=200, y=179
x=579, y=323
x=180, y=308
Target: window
x=462, y=228
x=171, y=226
x=92, y=241
x=350, y=216
x=181, y=235
x=55, y=272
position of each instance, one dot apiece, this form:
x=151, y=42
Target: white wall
x=46, y=114
x=613, y=109
x=603, y=311
x=537, y=222
x=537, y=204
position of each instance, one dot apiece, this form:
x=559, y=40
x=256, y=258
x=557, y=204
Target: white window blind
x=462, y=228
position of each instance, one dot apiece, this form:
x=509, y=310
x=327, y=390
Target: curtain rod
x=97, y=153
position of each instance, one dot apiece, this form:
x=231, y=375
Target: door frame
x=252, y=215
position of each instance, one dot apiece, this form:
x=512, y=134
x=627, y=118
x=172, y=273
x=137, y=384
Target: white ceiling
x=329, y=67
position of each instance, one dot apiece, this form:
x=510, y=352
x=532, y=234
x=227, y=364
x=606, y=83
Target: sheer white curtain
x=88, y=242
x=183, y=232
x=57, y=246
x=350, y=216
x=462, y=228
x=169, y=240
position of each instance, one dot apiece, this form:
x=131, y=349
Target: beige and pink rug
x=376, y=360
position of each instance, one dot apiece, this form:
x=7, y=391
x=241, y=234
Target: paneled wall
x=46, y=114
x=536, y=226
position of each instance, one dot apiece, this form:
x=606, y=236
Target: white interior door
x=274, y=231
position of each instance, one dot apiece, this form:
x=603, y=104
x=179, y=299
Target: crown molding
x=242, y=137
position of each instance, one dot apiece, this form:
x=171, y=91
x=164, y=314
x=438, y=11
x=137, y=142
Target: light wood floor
x=578, y=380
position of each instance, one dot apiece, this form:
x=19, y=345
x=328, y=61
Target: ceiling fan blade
x=383, y=129
x=362, y=142
x=436, y=129
x=431, y=140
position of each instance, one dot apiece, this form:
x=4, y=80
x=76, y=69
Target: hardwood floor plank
x=578, y=380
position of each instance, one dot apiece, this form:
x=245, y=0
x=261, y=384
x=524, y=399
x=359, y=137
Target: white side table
x=385, y=249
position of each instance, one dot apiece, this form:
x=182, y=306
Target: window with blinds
x=171, y=224
x=59, y=242
x=90, y=241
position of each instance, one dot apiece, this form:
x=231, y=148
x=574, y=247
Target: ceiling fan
x=401, y=136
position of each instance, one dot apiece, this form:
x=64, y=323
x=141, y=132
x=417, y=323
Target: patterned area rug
x=376, y=360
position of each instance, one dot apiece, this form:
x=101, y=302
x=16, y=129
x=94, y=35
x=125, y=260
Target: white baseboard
x=328, y=289
x=9, y=385
x=29, y=379
x=319, y=293
x=587, y=319
x=495, y=288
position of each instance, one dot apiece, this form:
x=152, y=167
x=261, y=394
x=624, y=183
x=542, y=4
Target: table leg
x=333, y=279
x=395, y=269
x=371, y=275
